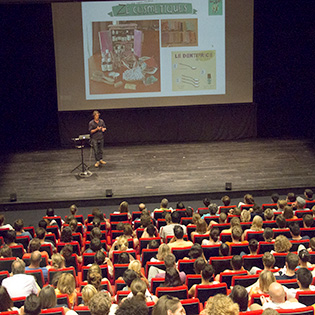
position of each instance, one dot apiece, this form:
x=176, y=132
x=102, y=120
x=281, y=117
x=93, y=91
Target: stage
x=149, y=172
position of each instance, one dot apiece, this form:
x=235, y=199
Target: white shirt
x=20, y=285
x=286, y=305
x=169, y=230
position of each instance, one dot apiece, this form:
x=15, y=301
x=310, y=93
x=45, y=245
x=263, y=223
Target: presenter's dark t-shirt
x=98, y=135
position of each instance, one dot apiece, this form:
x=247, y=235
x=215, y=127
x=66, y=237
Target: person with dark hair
x=132, y=306
x=253, y=247
x=32, y=305
x=139, y=289
x=66, y=235
x=20, y=284
x=239, y=295
x=233, y=222
x=48, y=297
x=206, y=201
x=291, y=197
x=281, y=222
x=4, y=226
x=189, y=212
x=169, y=229
x=214, y=237
x=5, y=251
x=41, y=234
x=9, y=238
x=207, y=274
x=268, y=262
x=224, y=250
x=43, y=223
x=304, y=257
x=149, y=231
x=288, y=272
x=275, y=197
x=199, y=264
x=308, y=193
x=236, y=264
x=295, y=232
x=172, y=278
x=268, y=234
x=97, y=128
x=168, y=305
x=180, y=205
x=178, y=239
x=95, y=245
x=213, y=211
x=123, y=258
x=308, y=221
x=236, y=236
x=153, y=244
x=195, y=251
x=18, y=226
x=6, y=303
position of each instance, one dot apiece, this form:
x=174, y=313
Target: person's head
x=123, y=258
x=237, y=262
x=214, y=234
x=224, y=249
x=66, y=235
x=276, y=292
x=164, y=203
x=67, y=251
x=201, y=227
x=6, y=302
x=282, y=244
x=36, y=258
x=50, y=212
x=88, y=292
x=253, y=246
x=18, y=225
x=237, y=233
x=66, y=283
x=268, y=234
x=96, y=233
x=178, y=232
x=308, y=193
x=300, y=202
x=99, y=257
x=235, y=221
x=245, y=216
x=128, y=230
x=95, y=268
x=195, y=251
x=151, y=230
x=145, y=220
x=18, y=266
x=10, y=237
x=169, y=261
x=95, y=279
x=207, y=272
x=312, y=243
x=124, y=207
x=304, y=278
x=265, y=279
x=100, y=304
x=281, y=204
x=168, y=217
x=6, y=251
x=135, y=265
x=138, y=288
x=95, y=245
x=222, y=217
x=226, y=200
x=268, y=260
x=248, y=199
x=122, y=242
x=32, y=305
x=275, y=197
x=281, y=221
x=153, y=244
x=291, y=197
x=292, y=261
x=288, y=212
x=129, y=275
x=195, y=218
x=163, y=251
x=268, y=214
x=175, y=217
x=43, y=223
x=58, y=261
x=40, y=233
x=180, y=205
x=308, y=220
x=257, y=223
x=141, y=206
x=133, y=306
x=295, y=229
x=73, y=225
x=239, y=295
x=206, y=201
x=189, y=212
x=213, y=208
x=199, y=264
x=73, y=209
x=221, y=305
x=34, y=244
x=96, y=115
x=48, y=298
x=168, y=305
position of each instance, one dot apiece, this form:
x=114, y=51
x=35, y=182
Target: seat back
x=257, y=235
x=121, y=295
x=5, y=263
x=226, y=209
x=4, y=274
x=296, y=244
x=210, y=250
x=56, y=218
x=52, y=272
x=186, y=220
x=280, y=259
x=290, y=284
x=119, y=270
x=116, y=253
x=310, y=232
x=24, y=240
x=85, y=269
x=306, y=297
x=155, y=283
x=244, y=281
x=82, y=310
x=17, y=251
x=180, y=252
x=18, y=301
x=269, y=205
x=46, y=248
x=75, y=245
x=225, y=237
x=265, y=247
x=308, y=310
x=53, y=311
x=226, y=277
x=73, y=262
x=187, y=266
x=253, y=261
x=192, y=279
x=88, y=258
x=192, y=306
x=147, y=254
x=203, y=292
x=271, y=224
x=236, y=249
x=145, y=241
x=158, y=214
x=63, y=299
x=180, y=292
x=38, y=274
x=119, y=285
x=158, y=264
x=118, y=217
x=220, y=263
x=53, y=229
x=285, y=232
x=199, y=238
x=136, y=215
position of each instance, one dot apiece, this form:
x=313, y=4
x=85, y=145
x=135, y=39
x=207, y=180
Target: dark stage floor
x=160, y=170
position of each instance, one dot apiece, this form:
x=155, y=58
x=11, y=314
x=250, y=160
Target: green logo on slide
x=215, y=7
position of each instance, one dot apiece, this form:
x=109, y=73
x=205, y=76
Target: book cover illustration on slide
x=126, y=57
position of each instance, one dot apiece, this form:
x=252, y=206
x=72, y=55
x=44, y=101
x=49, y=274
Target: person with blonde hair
x=257, y=225
x=220, y=304
x=282, y=244
x=58, y=261
x=66, y=285
x=262, y=286
x=121, y=244
x=135, y=265
x=124, y=208
x=168, y=305
x=94, y=277
x=88, y=292
x=245, y=216
x=201, y=228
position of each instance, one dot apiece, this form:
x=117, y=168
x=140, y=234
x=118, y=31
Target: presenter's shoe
x=102, y=162
x=97, y=164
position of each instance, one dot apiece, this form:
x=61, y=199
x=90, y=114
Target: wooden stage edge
x=148, y=173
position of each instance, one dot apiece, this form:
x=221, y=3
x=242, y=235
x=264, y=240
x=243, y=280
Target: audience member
x=32, y=305
x=139, y=289
x=308, y=193
x=66, y=285
x=169, y=229
x=239, y=295
x=295, y=232
x=220, y=305
x=214, y=237
x=5, y=251
x=275, y=197
x=35, y=260
x=268, y=234
x=282, y=244
x=178, y=238
x=288, y=272
x=18, y=226
x=88, y=292
x=168, y=305
x=261, y=286
x=6, y=303
x=201, y=229
x=4, y=226
x=133, y=306
x=308, y=221
x=100, y=304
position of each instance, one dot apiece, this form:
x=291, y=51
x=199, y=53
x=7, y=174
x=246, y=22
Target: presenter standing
x=97, y=128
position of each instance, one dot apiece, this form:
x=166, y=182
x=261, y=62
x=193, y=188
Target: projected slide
x=136, y=49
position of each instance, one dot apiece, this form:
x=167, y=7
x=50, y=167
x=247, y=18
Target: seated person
x=36, y=258
x=295, y=232
x=308, y=221
x=131, y=234
x=178, y=239
x=237, y=236
x=269, y=215
x=268, y=234
x=234, y=222
x=245, y=216
x=201, y=229
x=268, y=262
x=256, y=226
x=288, y=272
x=281, y=222
x=239, y=295
x=252, y=246
x=149, y=232
x=139, y=288
x=18, y=226
x=5, y=251
x=236, y=264
x=224, y=250
x=169, y=228
x=163, y=251
x=222, y=220
x=214, y=237
x=261, y=286
x=312, y=245
x=121, y=244
x=199, y=264
x=207, y=274
x=281, y=245
x=213, y=210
